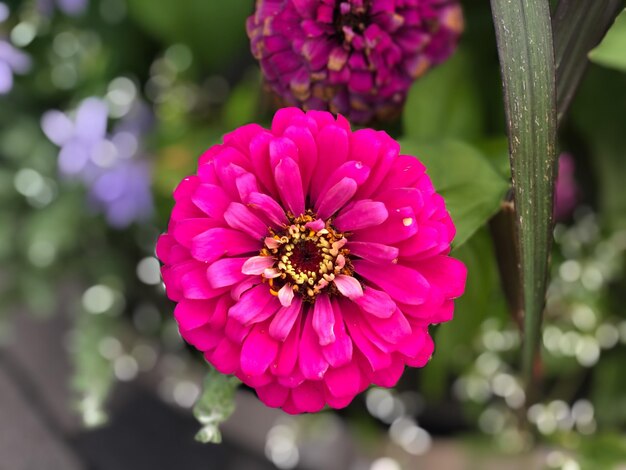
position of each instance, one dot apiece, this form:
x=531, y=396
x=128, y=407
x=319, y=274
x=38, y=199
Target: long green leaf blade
x=525, y=47
x=578, y=28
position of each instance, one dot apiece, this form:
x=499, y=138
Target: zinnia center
x=306, y=256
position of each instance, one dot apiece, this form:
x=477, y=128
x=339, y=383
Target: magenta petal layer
x=309, y=260
x=355, y=57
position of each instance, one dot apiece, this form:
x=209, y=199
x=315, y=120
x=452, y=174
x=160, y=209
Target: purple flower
x=69, y=7
x=355, y=57
x=12, y=61
x=118, y=181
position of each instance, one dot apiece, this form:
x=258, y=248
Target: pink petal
x=404, y=173
x=164, y=245
x=400, y=225
x=377, y=358
x=348, y=286
x=308, y=398
x=258, y=351
x=225, y=357
x=185, y=230
x=246, y=185
x=312, y=363
x=283, y=321
x=338, y=402
x=392, y=329
x=447, y=273
x=289, y=182
x=389, y=377
x=307, y=151
x=237, y=291
x=251, y=304
x=355, y=170
x=424, y=355
x=363, y=214
x=374, y=252
x=344, y=381
x=376, y=302
x=226, y=272
x=272, y=394
x=285, y=295
x=282, y=148
x=401, y=283
x=339, y=352
x=217, y=242
x=203, y=338
x=260, y=156
x=211, y=199
x=268, y=207
x=190, y=314
x=332, y=148
x=283, y=118
x=316, y=225
x=236, y=332
x=336, y=197
x=324, y=320
x=288, y=354
x=241, y=218
x=196, y=285
x=257, y=265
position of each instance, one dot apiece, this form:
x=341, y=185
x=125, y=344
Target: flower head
x=355, y=57
x=309, y=260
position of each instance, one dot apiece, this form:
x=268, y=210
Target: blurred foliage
x=215, y=405
x=472, y=188
x=189, y=62
x=611, y=51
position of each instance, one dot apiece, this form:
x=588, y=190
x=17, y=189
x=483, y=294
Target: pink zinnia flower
x=309, y=260
x=355, y=57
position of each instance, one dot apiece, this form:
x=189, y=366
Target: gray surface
x=26, y=440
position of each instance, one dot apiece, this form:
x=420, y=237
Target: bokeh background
x=106, y=104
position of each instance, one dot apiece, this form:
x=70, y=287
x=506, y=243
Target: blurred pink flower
x=566, y=193
x=309, y=260
x=355, y=57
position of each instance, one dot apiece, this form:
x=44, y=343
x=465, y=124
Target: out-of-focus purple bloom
x=354, y=57
x=4, y=12
x=83, y=142
x=109, y=165
x=124, y=193
x=12, y=60
x=69, y=7
x=566, y=193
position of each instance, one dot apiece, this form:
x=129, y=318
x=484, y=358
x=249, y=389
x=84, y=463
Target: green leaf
x=612, y=50
x=599, y=118
x=496, y=149
x=525, y=47
x=482, y=299
x=215, y=405
x=445, y=103
x=578, y=27
x=469, y=184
